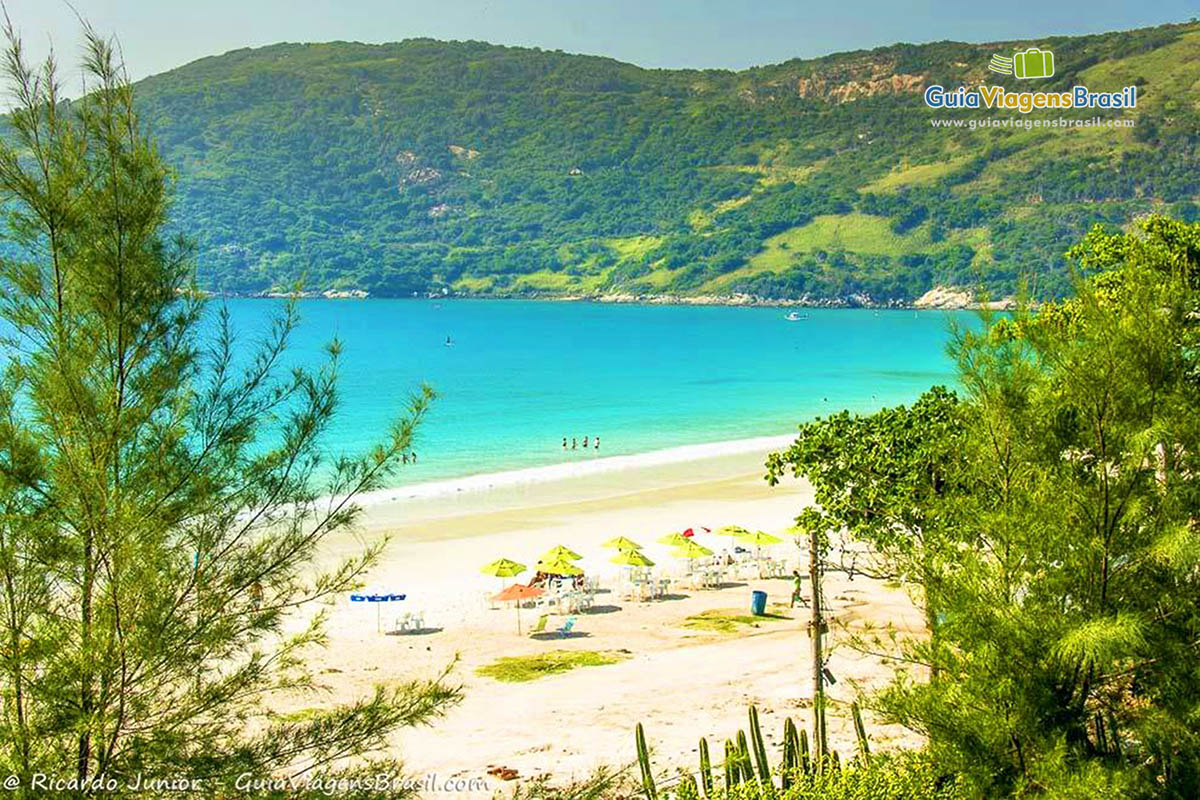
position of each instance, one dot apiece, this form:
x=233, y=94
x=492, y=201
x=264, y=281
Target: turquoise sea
x=519, y=376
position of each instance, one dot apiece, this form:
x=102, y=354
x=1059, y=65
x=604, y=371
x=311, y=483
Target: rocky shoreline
x=939, y=298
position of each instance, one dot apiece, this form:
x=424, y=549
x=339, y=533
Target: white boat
x=795, y=317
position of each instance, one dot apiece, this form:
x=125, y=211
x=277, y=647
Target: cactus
x=864, y=749
x=706, y=768
x=732, y=772
x=643, y=755
x=805, y=763
x=743, y=755
x=791, y=753
x=760, y=749
x=743, y=750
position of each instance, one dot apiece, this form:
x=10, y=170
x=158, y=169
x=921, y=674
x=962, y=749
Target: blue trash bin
x=758, y=603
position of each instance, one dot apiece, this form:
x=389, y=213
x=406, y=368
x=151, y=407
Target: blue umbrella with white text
x=378, y=598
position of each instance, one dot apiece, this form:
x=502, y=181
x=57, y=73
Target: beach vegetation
x=518, y=669
x=164, y=484
x=746, y=771
x=1045, y=519
x=718, y=620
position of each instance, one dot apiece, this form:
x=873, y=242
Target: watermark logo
x=1032, y=63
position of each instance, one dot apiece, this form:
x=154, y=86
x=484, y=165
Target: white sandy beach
x=679, y=682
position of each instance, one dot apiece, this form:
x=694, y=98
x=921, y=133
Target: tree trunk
x=816, y=632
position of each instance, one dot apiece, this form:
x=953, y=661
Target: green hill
x=428, y=166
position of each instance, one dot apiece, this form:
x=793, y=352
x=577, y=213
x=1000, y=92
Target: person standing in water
x=564, y=443
x=572, y=442
x=596, y=442
x=585, y=442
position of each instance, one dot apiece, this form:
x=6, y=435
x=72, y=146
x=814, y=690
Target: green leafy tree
x=1049, y=522
x=884, y=478
x=163, y=488
x=1067, y=645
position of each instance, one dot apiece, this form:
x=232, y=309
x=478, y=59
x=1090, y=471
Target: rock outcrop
x=822, y=88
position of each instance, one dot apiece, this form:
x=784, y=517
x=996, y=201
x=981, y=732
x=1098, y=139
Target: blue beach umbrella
x=378, y=598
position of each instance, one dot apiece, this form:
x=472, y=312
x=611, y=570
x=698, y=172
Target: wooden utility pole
x=816, y=634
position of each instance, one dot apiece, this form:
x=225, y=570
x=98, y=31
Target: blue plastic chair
x=565, y=630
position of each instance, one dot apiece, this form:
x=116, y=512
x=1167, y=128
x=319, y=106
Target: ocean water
x=519, y=376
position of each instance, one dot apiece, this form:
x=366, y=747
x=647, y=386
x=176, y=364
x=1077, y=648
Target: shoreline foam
x=550, y=473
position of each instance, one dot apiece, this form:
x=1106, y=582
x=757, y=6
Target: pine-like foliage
x=162, y=491
x=1048, y=522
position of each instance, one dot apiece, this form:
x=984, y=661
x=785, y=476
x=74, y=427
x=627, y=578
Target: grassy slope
x=852, y=232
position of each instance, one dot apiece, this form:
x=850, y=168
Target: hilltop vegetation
x=426, y=166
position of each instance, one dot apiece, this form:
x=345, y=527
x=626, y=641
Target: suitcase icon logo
x=1031, y=63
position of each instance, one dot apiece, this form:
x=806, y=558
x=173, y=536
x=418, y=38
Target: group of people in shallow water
x=409, y=458
x=575, y=443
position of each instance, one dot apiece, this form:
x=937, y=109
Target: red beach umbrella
x=518, y=592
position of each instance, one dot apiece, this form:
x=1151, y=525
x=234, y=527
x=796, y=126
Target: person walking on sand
x=797, y=595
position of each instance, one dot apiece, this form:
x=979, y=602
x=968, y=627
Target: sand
x=681, y=683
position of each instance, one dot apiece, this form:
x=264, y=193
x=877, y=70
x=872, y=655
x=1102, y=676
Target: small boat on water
x=795, y=317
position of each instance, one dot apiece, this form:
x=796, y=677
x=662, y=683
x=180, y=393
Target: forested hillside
x=469, y=168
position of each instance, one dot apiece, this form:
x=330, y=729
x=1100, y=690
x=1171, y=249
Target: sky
x=157, y=35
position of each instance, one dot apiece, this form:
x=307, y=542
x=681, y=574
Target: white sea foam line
x=555, y=472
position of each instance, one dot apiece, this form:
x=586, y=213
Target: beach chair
x=407, y=623
x=540, y=627
x=565, y=630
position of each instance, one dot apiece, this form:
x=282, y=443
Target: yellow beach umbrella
x=731, y=530
x=675, y=540
x=631, y=558
x=690, y=550
x=621, y=543
x=560, y=566
x=503, y=568
x=560, y=553
x=759, y=538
